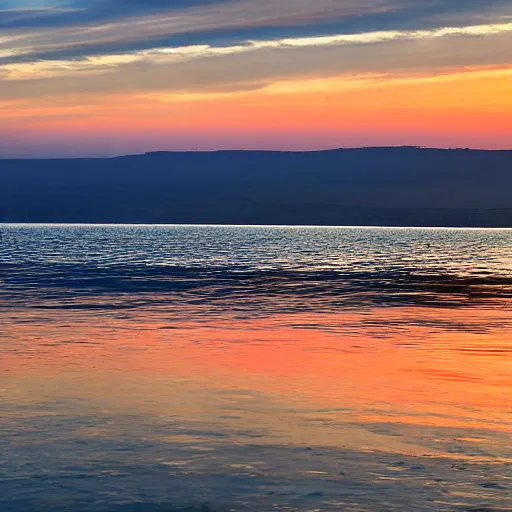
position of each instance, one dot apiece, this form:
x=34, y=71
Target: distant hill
x=403, y=186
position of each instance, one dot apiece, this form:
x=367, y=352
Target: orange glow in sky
x=120, y=88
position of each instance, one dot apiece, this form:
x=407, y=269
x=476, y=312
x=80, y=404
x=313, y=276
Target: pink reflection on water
x=434, y=367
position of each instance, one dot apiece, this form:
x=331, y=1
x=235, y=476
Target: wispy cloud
x=167, y=56
x=90, y=27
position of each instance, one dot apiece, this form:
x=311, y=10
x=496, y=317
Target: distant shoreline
x=379, y=186
x=253, y=151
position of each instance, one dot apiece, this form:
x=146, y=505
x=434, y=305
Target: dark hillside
x=376, y=186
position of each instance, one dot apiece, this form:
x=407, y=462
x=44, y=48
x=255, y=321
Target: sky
x=111, y=77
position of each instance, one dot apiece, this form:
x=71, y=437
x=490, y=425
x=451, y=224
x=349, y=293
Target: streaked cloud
x=261, y=61
x=81, y=28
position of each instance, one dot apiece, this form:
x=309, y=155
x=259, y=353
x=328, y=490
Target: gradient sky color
x=107, y=77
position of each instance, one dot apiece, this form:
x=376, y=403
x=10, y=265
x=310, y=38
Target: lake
x=232, y=368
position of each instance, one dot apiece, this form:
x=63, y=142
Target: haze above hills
x=398, y=186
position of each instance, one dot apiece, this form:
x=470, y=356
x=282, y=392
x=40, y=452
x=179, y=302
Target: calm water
x=158, y=369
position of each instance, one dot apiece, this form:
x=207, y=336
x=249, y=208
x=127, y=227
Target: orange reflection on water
x=448, y=368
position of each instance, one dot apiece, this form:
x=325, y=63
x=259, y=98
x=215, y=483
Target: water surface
x=166, y=368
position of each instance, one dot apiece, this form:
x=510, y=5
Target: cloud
x=80, y=27
x=209, y=68
x=90, y=12
x=65, y=13
x=186, y=26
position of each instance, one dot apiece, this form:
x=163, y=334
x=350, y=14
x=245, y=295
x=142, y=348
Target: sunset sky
x=108, y=77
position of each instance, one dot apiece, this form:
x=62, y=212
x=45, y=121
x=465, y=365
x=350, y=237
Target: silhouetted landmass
x=403, y=186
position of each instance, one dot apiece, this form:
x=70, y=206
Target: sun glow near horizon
x=108, y=91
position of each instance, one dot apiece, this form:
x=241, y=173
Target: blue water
x=166, y=368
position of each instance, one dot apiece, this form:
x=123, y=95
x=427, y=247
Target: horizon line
x=284, y=151
x=279, y=226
